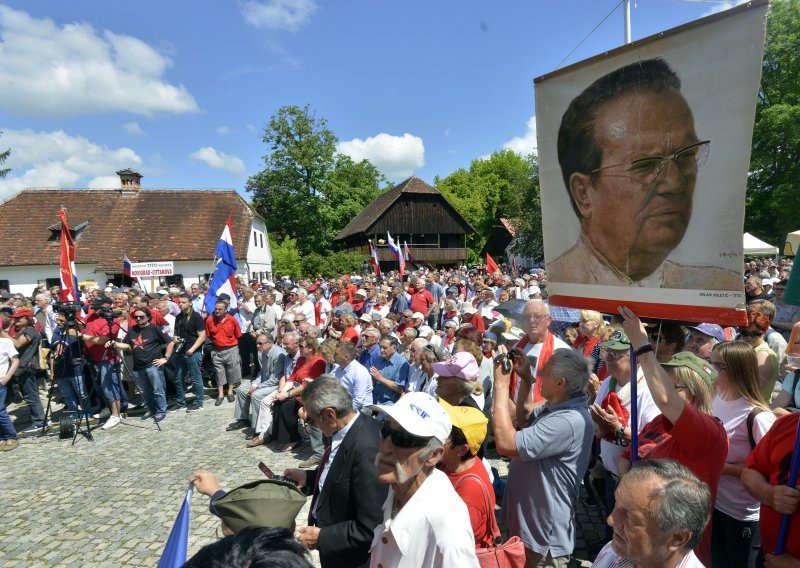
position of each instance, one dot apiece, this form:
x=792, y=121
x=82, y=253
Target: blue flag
x=174, y=555
x=224, y=279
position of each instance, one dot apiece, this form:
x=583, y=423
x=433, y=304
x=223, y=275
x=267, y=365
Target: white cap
x=468, y=308
x=361, y=292
x=418, y=315
x=419, y=414
x=425, y=331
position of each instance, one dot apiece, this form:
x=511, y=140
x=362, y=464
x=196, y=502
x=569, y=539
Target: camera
x=68, y=309
x=180, y=344
x=506, y=360
x=107, y=313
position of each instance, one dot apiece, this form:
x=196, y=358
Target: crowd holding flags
x=224, y=279
x=69, y=280
x=407, y=252
x=398, y=254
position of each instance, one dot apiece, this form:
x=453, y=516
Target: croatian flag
x=398, y=254
x=224, y=279
x=407, y=252
x=69, y=280
x=373, y=254
x=174, y=555
x=126, y=271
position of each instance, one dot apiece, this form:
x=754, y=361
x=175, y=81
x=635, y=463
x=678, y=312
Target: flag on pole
x=224, y=279
x=126, y=271
x=491, y=265
x=407, y=252
x=69, y=280
x=373, y=258
x=398, y=254
x=513, y=264
x=174, y=555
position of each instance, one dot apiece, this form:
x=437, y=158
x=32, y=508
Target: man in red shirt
x=462, y=462
x=421, y=300
x=224, y=332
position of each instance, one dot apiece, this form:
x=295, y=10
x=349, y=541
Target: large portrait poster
x=644, y=153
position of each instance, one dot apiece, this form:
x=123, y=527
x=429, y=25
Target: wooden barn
x=414, y=213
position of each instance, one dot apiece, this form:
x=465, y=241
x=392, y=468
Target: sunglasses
x=139, y=317
x=401, y=438
x=745, y=333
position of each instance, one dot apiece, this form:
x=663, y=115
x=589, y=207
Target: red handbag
x=508, y=554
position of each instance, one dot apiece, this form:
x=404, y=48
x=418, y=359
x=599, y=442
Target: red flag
x=491, y=265
x=69, y=281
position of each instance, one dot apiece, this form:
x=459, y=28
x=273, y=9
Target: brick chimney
x=130, y=180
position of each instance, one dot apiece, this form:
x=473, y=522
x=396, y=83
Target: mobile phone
x=268, y=472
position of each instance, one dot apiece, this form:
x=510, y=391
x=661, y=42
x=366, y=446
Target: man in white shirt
x=304, y=305
x=425, y=522
x=661, y=512
x=352, y=374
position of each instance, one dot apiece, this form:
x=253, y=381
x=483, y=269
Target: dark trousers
x=26, y=379
x=248, y=354
x=284, y=421
x=734, y=543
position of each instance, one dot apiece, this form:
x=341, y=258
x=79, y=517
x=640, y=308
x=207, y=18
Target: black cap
x=102, y=300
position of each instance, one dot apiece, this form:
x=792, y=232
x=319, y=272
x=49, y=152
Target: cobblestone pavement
x=112, y=502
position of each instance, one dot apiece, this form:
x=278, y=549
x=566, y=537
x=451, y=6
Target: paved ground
x=112, y=502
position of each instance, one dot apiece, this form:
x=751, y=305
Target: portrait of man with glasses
x=630, y=155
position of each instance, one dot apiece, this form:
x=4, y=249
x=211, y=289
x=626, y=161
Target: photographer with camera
x=67, y=366
x=146, y=341
x=102, y=325
x=190, y=333
x=26, y=341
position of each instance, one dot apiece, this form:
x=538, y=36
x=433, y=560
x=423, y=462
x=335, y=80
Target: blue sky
x=181, y=90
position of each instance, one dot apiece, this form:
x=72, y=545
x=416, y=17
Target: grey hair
x=391, y=339
x=429, y=449
x=327, y=391
x=571, y=365
x=313, y=331
x=387, y=322
x=291, y=335
x=682, y=502
x=538, y=302
x=372, y=332
x=42, y=296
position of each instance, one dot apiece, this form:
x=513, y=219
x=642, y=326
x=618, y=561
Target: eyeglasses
x=719, y=367
x=536, y=317
x=646, y=170
x=261, y=343
x=613, y=354
x=139, y=317
x=745, y=333
x=401, y=438
x=681, y=387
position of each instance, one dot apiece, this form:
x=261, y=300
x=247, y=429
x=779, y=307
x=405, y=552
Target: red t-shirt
x=421, y=300
x=98, y=327
x=477, y=322
x=696, y=440
x=472, y=494
x=225, y=333
x=772, y=458
x=350, y=334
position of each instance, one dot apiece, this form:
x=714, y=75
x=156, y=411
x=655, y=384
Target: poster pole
x=627, y=11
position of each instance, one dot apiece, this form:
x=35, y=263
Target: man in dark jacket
x=346, y=494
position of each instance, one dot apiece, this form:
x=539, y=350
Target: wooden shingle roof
x=147, y=225
x=372, y=212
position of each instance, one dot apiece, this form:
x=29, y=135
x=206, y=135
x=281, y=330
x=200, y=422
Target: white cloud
x=252, y=128
x=56, y=159
x=133, y=128
x=395, y=156
x=104, y=182
x=723, y=6
x=278, y=14
x=526, y=143
x=71, y=70
x=218, y=160
x=224, y=130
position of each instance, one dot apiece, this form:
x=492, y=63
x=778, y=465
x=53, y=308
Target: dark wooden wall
x=420, y=214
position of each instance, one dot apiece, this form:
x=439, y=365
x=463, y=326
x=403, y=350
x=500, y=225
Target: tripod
x=66, y=350
x=118, y=365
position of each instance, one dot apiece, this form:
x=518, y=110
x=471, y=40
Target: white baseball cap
x=419, y=414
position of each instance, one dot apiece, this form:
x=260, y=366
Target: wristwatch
x=620, y=436
x=646, y=348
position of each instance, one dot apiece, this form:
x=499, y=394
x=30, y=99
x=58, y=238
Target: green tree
x=3, y=157
x=286, y=258
x=773, y=189
x=348, y=189
x=288, y=191
x=528, y=240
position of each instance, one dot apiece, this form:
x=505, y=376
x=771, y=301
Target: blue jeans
x=74, y=393
x=189, y=363
x=7, y=431
x=26, y=379
x=151, y=381
x=111, y=384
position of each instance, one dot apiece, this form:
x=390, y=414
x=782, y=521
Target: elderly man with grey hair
x=661, y=511
x=549, y=453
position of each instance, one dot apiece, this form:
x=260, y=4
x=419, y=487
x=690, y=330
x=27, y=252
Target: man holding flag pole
x=398, y=254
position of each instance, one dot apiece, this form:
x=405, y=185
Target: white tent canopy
x=754, y=246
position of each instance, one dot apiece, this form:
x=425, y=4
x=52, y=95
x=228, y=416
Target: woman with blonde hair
x=592, y=330
x=740, y=405
x=768, y=369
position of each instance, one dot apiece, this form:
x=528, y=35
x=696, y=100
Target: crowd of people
x=402, y=385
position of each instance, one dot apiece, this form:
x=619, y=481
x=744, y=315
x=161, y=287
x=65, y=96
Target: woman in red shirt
x=309, y=366
x=591, y=331
x=349, y=332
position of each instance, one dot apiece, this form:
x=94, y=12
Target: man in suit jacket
x=346, y=494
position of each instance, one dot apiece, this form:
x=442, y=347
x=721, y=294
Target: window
x=255, y=239
x=5, y=285
x=203, y=278
x=119, y=280
x=174, y=280
x=50, y=282
x=261, y=236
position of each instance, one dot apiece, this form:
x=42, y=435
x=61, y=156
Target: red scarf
x=613, y=402
x=544, y=355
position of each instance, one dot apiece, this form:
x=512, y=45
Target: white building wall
x=259, y=254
